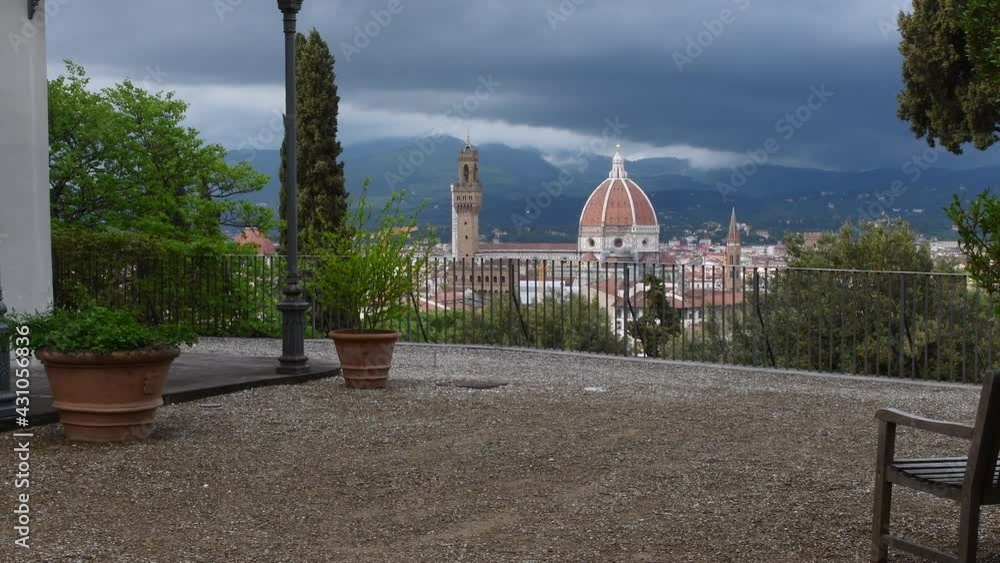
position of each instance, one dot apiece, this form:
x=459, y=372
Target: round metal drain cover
x=472, y=384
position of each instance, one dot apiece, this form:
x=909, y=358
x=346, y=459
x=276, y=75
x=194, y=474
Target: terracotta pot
x=365, y=357
x=107, y=397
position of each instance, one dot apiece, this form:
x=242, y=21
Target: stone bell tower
x=734, y=249
x=466, y=202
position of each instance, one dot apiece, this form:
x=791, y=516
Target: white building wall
x=531, y=292
x=25, y=236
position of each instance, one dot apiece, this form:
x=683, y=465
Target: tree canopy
x=950, y=92
x=659, y=322
x=951, y=95
x=982, y=28
x=121, y=159
x=871, y=245
x=862, y=300
x=979, y=237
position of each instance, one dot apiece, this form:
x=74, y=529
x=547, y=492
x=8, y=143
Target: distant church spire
x=734, y=252
x=734, y=233
x=618, y=165
x=468, y=139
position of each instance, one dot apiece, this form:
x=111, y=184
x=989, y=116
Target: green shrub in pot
x=368, y=271
x=106, y=370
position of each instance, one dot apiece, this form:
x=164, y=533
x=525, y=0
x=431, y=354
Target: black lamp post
x=293, y=308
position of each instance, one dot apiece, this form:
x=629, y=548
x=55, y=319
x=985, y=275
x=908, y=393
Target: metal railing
x=916, y=325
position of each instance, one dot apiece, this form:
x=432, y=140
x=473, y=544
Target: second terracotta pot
x=365, y=357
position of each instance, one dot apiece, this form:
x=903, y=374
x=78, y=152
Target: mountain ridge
x=773, y=197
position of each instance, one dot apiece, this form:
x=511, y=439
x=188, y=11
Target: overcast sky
x=704, y=80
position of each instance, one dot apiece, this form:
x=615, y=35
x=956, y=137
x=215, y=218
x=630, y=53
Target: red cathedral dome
x=618, y=201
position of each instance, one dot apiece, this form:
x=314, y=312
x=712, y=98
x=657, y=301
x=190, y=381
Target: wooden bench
x=972, y=481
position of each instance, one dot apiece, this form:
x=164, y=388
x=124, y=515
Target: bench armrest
x=953, y=429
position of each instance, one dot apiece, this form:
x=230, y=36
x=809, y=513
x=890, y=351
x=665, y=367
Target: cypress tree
x=950, y=89
x=322, y=194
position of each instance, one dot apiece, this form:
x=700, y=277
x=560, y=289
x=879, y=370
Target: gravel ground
x=577, y=459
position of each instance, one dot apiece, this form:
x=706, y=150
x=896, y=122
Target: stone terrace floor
x=577, y=459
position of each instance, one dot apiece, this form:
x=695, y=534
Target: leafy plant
x=216, y=288
x=979, y=237
x=659, y=323
x=369, y=275
x=121, y=159
x=100, y=330
x=571, y=322
x=869, y=245
x=982, y=29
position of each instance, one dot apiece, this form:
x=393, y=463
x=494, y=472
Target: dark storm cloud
x=716, y=74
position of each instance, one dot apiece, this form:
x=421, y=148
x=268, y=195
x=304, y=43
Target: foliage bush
x=978, y=227
x=215, y=288
x=121, y=159
x=556, y=322
x=369, y=275
x=658, y=324
x=829, y=312
x=100, y=330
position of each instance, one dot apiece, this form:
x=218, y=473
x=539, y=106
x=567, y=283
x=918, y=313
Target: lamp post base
x=283, y=369
x=7, y=405
x=293, y=358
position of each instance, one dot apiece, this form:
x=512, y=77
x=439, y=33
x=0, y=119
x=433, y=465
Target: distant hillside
x=774, y=197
